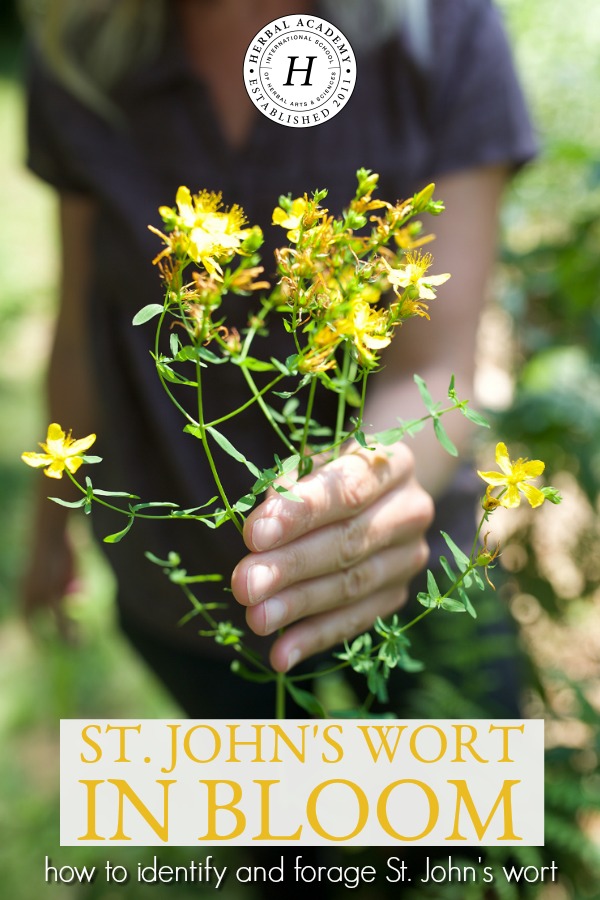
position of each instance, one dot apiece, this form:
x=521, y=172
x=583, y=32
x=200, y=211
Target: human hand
x=49, y=579
x=339, y=559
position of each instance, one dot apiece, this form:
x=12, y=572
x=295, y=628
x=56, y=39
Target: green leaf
x=183, y=578
x=174, y=344
x=432, y=586
x=154, y=504
x=389, y=436
x=306, y=700
x=170, y=375
x=70, y=504
x=452, y=605
x=475, y=417
x=289, y=495
x=447, y=568
x=190, y=353
x=254, y=365
x=245, y=503
x=100, y=493
x=413, y=426
x=442, y=436
x=460, y=558
x=118, y=535
x=264, y=480
x=289, y=464
x=166, y=563
x=352, y=396
x=425, y=395
x=228, y=447
x=478, y=580
x=408, y=664
x=376, y=682
x=468, y=605
x=193, y=509
x=551, y=494
x=238, y=668
x=426, y=600
x=90, y=460
x=210, y=357
x=147, y=313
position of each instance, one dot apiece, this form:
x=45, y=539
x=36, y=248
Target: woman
x=436, y=99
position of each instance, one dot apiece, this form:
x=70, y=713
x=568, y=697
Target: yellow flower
x=60, y=452
x=414, y=276
x=292, y=219
x=213, y=235
x=514, y=478
x=409, y=237
x=367, y=327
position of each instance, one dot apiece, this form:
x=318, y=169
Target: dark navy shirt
x=409, y=119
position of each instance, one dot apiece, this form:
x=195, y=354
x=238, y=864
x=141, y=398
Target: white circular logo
x=299, y=71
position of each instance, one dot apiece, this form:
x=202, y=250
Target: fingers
x=341, y=589
x=47, y=585
x=332, y=492
x=320, y=632
x=38, y=601
x=347, y=549
x=336, y=561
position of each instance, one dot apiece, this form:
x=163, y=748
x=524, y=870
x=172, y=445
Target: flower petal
x=280, y=217
x=183, y=199
x=533, y=495
x=56, y=469
x=511, y=499
x=494, y=478
x=55, y=433
x=298, y=207
x=73, y=463
x=437, y=279
x=532, y=468
x=503, y=459
x=36, y=460
x=81, y=445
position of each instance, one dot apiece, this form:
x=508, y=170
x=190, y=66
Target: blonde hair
x=367, y=24
x=90, y=44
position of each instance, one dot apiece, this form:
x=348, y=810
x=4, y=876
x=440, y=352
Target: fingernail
x=275, y=614
x=293, y=658
x=259, y=581
x=267, y=532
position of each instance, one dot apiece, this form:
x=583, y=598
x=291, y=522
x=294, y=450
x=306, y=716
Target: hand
x=339, y=559
x=49, y=579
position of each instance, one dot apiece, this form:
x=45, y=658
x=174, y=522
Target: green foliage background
x=544, y=334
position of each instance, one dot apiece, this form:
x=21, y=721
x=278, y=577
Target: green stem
x=266, y=411
x=128, y=512
x=304, y=464
x=341, y=408
x=280, y=696
x=248, y=403
x=369, y=699
x=306, y=676
x=230, y=512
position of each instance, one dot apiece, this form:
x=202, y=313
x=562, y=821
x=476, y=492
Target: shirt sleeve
x=55, y=120
x=478, y=114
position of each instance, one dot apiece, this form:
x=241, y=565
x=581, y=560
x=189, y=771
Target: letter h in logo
x=292, y=69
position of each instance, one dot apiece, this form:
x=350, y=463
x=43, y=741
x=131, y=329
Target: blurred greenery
x=548, y=303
